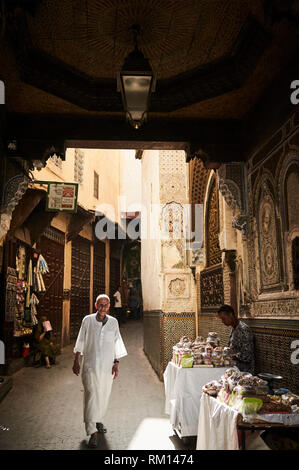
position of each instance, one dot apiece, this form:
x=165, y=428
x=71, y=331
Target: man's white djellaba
x=99, y=345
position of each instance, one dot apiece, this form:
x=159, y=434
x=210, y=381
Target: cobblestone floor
x=44, y=409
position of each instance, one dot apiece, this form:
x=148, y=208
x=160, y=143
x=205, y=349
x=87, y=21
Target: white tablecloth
x=183, y=390
x=217, y=425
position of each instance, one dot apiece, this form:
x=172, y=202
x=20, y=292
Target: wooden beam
x=27, y=204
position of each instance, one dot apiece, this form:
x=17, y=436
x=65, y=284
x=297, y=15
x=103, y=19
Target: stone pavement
x=44, y=409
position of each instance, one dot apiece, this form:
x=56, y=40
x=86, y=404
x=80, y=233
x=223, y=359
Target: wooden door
x=98, y=270
x=80, y=284
x=114, y=275
x=51, y=246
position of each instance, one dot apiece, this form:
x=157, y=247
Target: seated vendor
x=44, y=343
x=241, y=340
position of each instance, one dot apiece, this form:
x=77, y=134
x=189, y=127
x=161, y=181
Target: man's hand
x=115, y=370
x=76, y=368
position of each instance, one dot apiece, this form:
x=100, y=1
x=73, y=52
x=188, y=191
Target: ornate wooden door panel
x=211, y=278
x=98, y=270
x=80, y=287
x=50, y=304
x=213, y=248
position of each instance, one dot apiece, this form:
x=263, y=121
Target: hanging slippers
x=93, y=441
x=101, y=428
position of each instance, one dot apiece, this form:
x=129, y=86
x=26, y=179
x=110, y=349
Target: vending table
x=218, y=425
x=183, y=389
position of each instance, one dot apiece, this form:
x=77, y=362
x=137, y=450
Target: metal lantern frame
x=138, y=67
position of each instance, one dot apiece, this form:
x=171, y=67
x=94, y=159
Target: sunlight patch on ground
x=152, y=434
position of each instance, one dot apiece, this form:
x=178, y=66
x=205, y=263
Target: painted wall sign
x=62, y=197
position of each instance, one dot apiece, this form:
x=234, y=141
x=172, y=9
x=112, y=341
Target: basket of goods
x=209, y=348
x=185, y=339
x=233, y=379
x=212, y=339
x=212, y=388
x=197, y=359
x=217, y=357
x=175, y=354
x=198, y=341
x=290, y=399
x=275, y=404
x=207, y=359
x=261, y=386
x=227, y=356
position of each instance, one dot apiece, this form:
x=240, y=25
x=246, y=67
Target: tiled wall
x=152, y=338
x=161, y=332
x=273, y=340
x=211, y=322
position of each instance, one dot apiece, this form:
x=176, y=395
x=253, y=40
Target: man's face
x=102, y=307
x=226, y=318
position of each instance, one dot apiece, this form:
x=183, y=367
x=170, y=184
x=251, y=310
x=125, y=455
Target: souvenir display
x=205, y=353
x=22, y=298
x=248, y=394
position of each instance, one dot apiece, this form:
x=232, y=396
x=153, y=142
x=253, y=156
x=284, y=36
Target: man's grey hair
x=102, y=296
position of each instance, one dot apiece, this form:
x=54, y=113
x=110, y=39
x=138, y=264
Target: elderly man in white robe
x=100, y=344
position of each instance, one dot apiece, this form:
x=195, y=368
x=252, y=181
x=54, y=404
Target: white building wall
x=130, y=180
x=151, y=238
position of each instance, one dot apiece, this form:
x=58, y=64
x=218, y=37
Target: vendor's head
x=102, y=305
x=227, y=315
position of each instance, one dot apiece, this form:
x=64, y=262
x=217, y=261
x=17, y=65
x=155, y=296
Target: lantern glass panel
x=136, y=91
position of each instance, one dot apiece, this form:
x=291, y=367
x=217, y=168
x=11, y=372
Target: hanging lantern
x=136, y=82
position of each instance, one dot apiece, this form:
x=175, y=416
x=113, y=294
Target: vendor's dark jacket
x=241, y=342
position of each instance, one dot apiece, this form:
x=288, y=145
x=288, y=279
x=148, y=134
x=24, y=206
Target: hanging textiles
x=10, y=295
x=29, y=276
x=21, y=262
x=41, y=268
x=29, y=283
x=33, y=302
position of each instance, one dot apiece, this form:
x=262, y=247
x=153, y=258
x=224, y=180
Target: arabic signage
x=62, y=197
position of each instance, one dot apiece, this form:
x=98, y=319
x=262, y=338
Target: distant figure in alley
x=101, y=345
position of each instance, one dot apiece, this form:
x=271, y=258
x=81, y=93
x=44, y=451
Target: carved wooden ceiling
x=213, y=58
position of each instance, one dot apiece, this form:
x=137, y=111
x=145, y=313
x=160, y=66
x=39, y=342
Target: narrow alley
x=149, y=153
x=44, y=409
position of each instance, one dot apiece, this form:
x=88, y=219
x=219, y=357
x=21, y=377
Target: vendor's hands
x=115, y=370
x=76, y=368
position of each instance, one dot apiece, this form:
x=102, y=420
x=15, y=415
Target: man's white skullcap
x=102, y=296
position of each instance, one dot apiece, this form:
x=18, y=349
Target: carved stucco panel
x=268, y=242
x=288, y=308
x=179, y=293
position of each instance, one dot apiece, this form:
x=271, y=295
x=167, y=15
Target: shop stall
x=25, y=268
x=193, y=364
x=240, y=402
